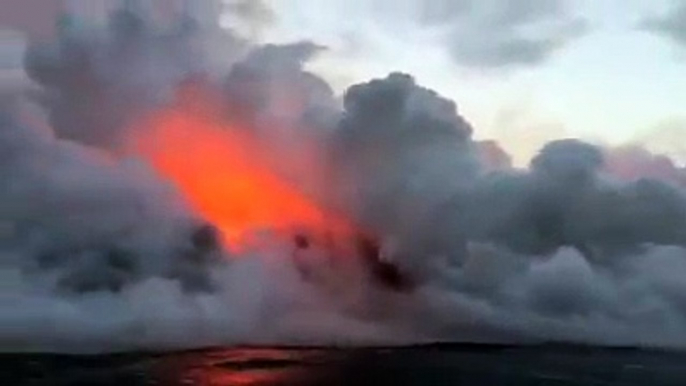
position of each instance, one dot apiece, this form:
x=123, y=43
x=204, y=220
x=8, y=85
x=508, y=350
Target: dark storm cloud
x=504, y=33
x=671, y=25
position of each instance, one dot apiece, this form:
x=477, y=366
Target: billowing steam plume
x=171, y=185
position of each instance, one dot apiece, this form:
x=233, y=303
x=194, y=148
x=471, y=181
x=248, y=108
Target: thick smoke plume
x=408, y=229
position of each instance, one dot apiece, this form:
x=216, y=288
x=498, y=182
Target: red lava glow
x=220, y=171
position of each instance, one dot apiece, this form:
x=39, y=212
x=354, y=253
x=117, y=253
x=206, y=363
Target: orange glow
x=248, y=367
x=222, y=174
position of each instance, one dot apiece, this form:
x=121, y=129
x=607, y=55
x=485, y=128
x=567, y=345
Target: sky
x=521, y=71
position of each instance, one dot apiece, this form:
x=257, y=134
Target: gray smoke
x=97, y=82
x=100, y=253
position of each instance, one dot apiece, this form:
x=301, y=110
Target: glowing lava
x=219, y=170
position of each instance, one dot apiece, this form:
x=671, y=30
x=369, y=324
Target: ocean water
x=428, y=365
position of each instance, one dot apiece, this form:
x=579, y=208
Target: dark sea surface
x=428, y=365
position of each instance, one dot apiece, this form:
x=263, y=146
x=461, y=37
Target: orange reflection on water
x=253, y=367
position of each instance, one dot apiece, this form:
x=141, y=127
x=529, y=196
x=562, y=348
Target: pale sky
x=611, y=71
